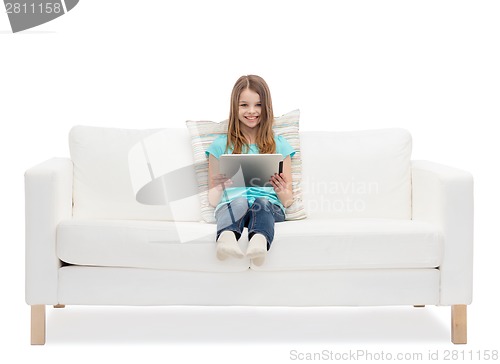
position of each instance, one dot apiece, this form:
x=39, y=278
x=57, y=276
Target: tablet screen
x=250, y=170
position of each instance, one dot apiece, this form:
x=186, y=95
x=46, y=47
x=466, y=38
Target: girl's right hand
x=220, y=182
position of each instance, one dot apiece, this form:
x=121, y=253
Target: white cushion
x=299, y=245
x=357, y=174
x=184, y=246
x=111, y=166
x=354, y=244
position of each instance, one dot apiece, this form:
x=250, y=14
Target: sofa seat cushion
x=182, y=246
x=314, y=244
x=310, y=244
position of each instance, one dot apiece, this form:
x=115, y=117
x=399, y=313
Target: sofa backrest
x=357, y=174
x=345, y=174
x=113, y=167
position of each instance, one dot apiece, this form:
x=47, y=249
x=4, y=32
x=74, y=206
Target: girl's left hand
x=279, y=182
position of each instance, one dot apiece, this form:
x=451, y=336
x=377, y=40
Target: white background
x=431, y=67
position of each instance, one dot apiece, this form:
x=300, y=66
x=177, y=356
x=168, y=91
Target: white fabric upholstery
x=111, y=165
x=354, y=244
x=357, y=174
x=309, y=245
x=346, y=287
x=48, y=188
x=142, y=244
x=443, y=196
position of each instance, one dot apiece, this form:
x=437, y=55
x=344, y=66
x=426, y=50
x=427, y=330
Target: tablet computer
x=250, y=170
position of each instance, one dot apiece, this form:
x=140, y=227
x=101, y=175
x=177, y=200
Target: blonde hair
x=265, y=135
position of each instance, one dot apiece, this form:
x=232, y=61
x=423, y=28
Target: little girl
x=257, y=208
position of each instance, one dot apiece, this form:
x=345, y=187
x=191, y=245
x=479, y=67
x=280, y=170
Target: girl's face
x=249, y=108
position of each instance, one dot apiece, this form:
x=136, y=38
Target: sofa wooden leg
x=59, y=306
x=459, y=324
x=37, y=324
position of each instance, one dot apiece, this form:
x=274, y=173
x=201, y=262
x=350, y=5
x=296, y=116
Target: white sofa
x=381, y=229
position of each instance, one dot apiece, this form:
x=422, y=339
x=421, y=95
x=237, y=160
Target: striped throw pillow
x=203, y=133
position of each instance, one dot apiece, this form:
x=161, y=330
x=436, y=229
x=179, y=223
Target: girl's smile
x=249, y=109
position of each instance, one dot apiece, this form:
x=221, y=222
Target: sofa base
x=79, y=285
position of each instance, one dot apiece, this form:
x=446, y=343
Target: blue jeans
x=258, y=218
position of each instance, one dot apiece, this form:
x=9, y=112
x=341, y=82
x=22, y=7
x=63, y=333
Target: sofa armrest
x=443, y=196
x=48, y=200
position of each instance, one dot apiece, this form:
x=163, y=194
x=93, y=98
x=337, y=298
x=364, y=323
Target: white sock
x=227, y=246
x=257, y=249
